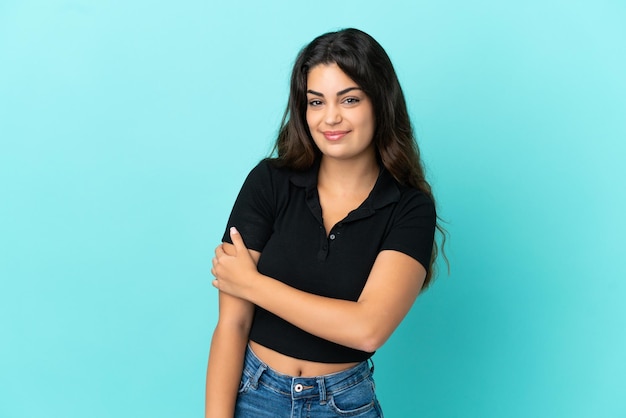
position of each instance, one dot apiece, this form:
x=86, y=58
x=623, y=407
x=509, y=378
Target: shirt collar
x=385, y=191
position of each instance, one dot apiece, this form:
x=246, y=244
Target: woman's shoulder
x=268, y=173
x=400, y=192
x=412, y=198
x=270, y=167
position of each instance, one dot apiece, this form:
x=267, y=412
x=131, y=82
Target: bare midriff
x=293, y=366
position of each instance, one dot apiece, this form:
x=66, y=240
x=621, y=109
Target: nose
x=333, y=115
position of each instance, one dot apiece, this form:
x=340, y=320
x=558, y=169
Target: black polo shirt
x=278, y=213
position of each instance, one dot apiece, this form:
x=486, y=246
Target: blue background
x=126, y=129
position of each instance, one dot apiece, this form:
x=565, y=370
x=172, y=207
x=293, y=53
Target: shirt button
x=298, y=388
x=332, y=236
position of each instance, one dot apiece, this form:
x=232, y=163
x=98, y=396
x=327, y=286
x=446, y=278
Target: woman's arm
x=228, y=347
x=391, y=289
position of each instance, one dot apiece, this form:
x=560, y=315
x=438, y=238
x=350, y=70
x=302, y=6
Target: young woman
x=328, y=244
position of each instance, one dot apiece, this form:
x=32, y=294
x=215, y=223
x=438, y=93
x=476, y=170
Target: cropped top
x=278, y=213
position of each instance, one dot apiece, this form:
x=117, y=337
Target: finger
x=235, y=236
x=229, y=249
x=219, y=251
x=215, y=266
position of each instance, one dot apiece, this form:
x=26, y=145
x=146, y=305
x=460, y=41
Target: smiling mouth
x=335, y=135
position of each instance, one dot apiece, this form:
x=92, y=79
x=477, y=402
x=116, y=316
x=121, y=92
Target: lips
x=335, y=135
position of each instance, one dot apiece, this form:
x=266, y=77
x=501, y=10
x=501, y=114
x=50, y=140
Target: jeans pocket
x=357, y=400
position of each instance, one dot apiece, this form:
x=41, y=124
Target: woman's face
x=339, y=114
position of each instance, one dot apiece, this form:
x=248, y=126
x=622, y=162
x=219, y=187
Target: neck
x=348, y=176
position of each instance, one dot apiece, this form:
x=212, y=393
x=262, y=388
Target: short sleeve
x=253, y=211
x=413, y=229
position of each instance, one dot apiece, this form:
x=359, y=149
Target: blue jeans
x=264, y=392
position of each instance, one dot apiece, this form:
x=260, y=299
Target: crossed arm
x=392, y=287
x=228, y=346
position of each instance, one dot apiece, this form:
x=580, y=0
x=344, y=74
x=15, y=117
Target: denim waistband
x=303, y=387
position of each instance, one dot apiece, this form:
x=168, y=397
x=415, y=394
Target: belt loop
x=255, y=379
x=372, y=365
x=322, y=388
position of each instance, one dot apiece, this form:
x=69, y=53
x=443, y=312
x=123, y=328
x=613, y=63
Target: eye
x=351, y=100
x=315, y=102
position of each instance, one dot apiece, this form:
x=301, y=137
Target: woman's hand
x=233, y=266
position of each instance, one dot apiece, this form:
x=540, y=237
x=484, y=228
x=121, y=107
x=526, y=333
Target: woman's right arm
x=226, y=357
x=254, y=208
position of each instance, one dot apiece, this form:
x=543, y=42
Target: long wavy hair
x=362, y=59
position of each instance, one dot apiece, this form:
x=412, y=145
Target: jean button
x=298, y=388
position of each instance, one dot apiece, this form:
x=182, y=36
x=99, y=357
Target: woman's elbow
x=371, y=339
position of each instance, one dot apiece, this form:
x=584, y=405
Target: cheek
x=367, y=124
x=371, y=120
x=312, y=120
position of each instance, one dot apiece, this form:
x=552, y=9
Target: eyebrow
x=339, y=93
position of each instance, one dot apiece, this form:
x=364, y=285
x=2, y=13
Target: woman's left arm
x=392, y=286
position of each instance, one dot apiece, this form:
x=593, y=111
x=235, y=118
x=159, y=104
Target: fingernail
x=233, y=230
